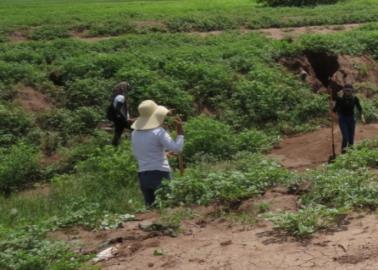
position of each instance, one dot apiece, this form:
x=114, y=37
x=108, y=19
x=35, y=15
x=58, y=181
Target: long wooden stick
x=332, y=124
x=180, y=159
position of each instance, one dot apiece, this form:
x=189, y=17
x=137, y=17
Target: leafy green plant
x=27, y=249
x=111, y=28
x=14, y=124
x=208, y=136
x=252, y=175
x=342, y=187
x=18, y=167
x=49, y=32
x=308, y=220
x=255, y=141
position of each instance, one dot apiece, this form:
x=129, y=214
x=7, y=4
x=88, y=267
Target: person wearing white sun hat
x=150, y=142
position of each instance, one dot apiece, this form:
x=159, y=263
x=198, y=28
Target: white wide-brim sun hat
x=151, y=115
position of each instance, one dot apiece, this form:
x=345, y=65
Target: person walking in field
x=150, y=143
x=117, y=111
x=345, y=108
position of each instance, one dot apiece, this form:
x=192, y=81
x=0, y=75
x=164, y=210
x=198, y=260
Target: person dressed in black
x=345, y=108
x=118, y=111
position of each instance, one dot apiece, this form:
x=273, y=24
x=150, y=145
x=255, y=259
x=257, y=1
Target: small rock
x=226, y=243
x=150, y=265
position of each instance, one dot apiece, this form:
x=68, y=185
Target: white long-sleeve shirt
x=150, y=146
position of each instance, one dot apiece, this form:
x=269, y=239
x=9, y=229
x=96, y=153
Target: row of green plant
x=250, y=176
x=93, y=18
x=205, y=137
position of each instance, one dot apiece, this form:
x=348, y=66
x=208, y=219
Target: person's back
x=150, y=142
x=149, y=147
x=345, y=105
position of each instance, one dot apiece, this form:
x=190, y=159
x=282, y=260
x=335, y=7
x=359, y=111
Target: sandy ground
x=207, y=243
x=217, y=246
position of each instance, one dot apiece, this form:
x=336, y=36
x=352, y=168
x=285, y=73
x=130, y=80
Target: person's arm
x=358, y=105
x=171, y=145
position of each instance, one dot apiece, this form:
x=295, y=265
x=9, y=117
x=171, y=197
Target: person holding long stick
x=150, y=142
x=345, y=109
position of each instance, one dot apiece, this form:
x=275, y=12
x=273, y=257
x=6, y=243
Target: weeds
x=307, y=221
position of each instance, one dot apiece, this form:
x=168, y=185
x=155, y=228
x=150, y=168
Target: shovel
x=332, y=157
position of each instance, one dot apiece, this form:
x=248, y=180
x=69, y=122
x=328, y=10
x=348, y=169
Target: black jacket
x=345, y=105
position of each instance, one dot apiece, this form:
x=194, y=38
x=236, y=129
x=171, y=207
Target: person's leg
x=148, y=193
x=351, y=130
x=150, y=181
x=344, y=133
x=118, y=130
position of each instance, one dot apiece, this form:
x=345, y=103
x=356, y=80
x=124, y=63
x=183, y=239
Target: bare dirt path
x=288, y=32
x=274, y=33
x=313, y=149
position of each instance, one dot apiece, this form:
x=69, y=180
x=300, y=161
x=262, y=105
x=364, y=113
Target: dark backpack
x=111, y=113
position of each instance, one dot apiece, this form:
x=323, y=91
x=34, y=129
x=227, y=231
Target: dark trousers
x=149, y=182
x=119, y=126
x=347, y=127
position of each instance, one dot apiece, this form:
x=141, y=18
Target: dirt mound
x=322, y=70
x=32, y=100
x=313, y=149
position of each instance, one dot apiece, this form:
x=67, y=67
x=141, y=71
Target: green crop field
x=236, y=99
x=107, y=17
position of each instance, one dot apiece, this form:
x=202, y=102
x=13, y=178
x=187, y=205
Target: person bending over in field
x=344, y=107
x=117, y=111
x=150, y=142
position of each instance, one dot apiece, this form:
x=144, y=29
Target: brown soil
x=32, y=100
x=313, y=149
x=288, y=32
x=217, y=245
x=17, y=37
x=81, y=36
x=295, y=32
x=37, y=190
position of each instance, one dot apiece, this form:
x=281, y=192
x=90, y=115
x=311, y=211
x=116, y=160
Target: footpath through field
x=274, y=33
x=312, y=149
